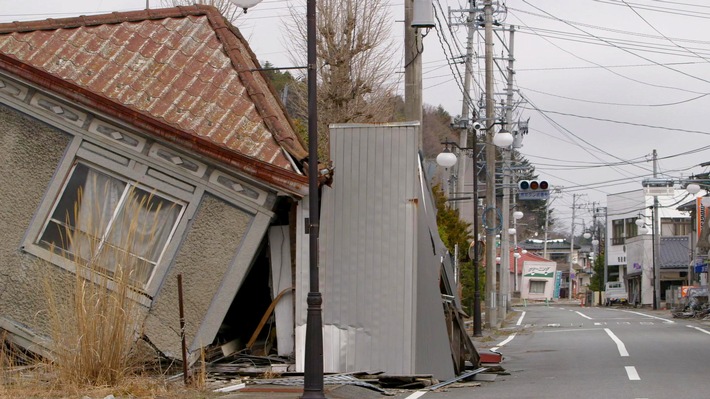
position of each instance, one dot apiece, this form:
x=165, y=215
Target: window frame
x=617, y=232
x=536, y=283
x=129, y=169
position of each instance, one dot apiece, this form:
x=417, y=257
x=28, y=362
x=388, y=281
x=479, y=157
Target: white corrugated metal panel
x=369, y=250
x=432, y=345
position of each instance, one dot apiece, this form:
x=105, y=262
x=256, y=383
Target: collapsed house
x=171, y=102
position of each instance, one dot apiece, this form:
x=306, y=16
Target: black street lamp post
x=313, y=362
x=313, y=368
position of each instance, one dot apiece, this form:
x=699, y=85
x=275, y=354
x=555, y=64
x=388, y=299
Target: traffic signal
x=533, y=185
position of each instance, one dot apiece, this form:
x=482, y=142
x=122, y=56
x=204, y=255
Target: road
x=564, y=352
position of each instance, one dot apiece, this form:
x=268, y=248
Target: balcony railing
x=617, y=240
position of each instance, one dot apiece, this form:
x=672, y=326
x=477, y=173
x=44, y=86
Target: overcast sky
x=604, y=82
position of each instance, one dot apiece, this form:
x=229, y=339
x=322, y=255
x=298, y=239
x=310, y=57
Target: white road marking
x=647, y=315
x=584, y=315
x=700, y=329
x=520, y=320
x=632, y=373
x=569, y=330
x=416, y=395
x=553, y=325
x=602, y=323
x=507, y=340
x=619, y=345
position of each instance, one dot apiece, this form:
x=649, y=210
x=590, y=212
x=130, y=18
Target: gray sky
x=606, y=81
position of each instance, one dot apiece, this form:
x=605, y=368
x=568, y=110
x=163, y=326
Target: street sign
x=534, y=195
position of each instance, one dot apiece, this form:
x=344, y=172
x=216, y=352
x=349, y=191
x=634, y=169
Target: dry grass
x=94, y=324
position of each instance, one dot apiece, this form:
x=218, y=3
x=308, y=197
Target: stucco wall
x=29, y=154
x=205, y=256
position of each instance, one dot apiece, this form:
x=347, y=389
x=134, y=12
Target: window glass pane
x=83, y=212
x=106, y=222
x=537, y=287
x=142, y=228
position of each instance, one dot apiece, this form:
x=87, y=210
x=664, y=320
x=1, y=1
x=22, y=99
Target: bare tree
x=355, y=68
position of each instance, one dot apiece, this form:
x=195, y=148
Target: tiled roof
x=181, y=73
x=674, y=252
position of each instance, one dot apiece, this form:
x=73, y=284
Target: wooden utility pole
x=490, y=211
x=412, y=69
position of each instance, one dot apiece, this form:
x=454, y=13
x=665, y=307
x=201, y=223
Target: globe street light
x=503, y=139
x=692, y=188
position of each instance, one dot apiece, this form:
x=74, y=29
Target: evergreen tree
x=596, y=283
x=455, y=231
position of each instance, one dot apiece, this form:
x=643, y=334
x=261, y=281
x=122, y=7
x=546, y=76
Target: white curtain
x=97, y=201
x=139, y=225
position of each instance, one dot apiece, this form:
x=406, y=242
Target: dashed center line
x=417, y=394
x=619, y=345
x=632, y=373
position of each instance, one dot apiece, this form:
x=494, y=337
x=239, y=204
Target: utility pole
x=491, y=308
x=466, y=106
x=507, y=155
x=605, y=246
x=547, y=224
x=412, y=69
x=656, y=241
x=571, y=247
x=597, y=248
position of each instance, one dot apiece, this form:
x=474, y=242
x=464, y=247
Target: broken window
x=103, y=220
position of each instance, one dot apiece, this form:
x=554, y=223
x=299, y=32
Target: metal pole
x=547, y=224
x=656, y=241
x=571, y=248
x=466, y=106
x=313, y=367
x=491, y=308
x=505, y=243
x=507, y=155
x=516, y=283
x=606, y=245
x=477, y=328
x=656, y=289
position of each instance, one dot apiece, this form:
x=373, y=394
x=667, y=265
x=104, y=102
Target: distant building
x=630, y=253
x=558, y=251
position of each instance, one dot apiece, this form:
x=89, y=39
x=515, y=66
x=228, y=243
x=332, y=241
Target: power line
x=620, y=48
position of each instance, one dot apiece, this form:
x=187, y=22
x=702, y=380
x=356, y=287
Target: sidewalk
x=295, y=392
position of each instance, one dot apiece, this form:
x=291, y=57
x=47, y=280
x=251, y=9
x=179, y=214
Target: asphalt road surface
x=574, y=352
